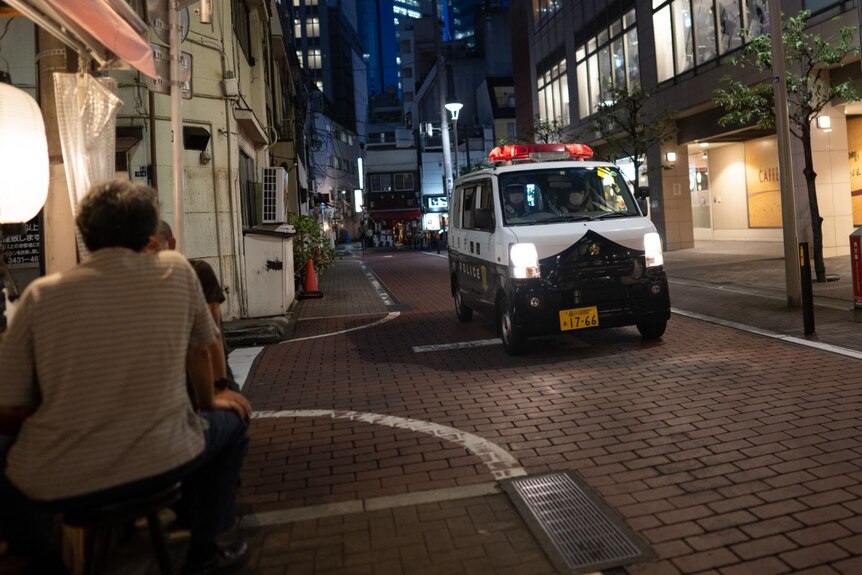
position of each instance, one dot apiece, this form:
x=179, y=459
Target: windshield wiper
x=611, y=215
x=567, y=218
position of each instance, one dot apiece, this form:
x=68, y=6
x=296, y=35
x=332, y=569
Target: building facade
x=722, y=183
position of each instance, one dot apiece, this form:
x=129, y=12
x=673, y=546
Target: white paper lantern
x=24, y=168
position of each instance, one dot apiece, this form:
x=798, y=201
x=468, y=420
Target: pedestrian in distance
x=109, y=416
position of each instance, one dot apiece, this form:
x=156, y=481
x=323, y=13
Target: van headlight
x=652, y=250
x=524, y=261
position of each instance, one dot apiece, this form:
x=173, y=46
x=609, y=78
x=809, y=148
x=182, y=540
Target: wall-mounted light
x=670, y=156
x=704, y=144
x=824, y=123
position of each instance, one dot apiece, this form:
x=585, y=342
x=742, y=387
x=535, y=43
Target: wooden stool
x=101, y=520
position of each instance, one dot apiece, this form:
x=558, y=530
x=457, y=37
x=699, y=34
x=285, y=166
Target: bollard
x=807, y=289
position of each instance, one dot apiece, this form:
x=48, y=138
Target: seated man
x=515, y=204
x=109, y=416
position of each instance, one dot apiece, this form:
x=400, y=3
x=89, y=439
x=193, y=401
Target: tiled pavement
x=728, y=452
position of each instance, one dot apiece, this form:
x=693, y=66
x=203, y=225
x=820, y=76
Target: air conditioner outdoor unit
x=274, y=188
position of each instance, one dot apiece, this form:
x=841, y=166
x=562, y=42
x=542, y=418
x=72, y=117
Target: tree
x=808, y=58
x=629, y=126
x=548, y=131
x=310, y=243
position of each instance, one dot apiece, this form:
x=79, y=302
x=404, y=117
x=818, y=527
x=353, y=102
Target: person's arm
x=199, y=368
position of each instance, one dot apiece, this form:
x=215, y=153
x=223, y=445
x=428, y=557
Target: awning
x=395, y=214
x=108, y=30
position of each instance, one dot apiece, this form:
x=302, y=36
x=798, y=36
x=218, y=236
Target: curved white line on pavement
x=240, y=361
x=757, y=331
x=501, y=464
x=390, y=316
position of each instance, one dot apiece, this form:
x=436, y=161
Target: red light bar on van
x=540, y=152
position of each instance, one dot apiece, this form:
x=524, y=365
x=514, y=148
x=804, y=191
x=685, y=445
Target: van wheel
x=513, y=341
x=652, y=328
x=463, y=312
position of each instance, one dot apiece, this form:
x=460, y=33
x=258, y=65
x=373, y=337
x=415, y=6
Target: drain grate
x=579, y=532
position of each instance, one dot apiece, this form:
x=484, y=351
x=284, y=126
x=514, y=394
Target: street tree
x=631, y=125
x=808, y=59
x=548, y=131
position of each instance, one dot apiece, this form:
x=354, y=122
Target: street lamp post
x=454, y=108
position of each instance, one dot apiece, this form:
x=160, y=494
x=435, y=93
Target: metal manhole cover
x=579, y=532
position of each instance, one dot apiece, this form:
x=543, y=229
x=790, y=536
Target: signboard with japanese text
x=24, y=250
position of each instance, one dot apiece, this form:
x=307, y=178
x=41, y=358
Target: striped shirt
x=101, y=350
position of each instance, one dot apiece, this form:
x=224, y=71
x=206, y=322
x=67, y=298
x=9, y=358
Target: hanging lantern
x=23, y=156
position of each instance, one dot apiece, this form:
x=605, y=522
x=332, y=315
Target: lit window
x=553, y=93
x=606, y=62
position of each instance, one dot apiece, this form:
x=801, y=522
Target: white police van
x=551, y=242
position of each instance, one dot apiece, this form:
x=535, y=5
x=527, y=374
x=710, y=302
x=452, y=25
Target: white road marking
x=771, y=334
x=499, y=462
x=381, y=291
x=456, y=345
x=390, y=316
x=241, y=360
x=283, y=516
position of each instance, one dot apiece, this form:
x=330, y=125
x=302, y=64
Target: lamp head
x=454, y=108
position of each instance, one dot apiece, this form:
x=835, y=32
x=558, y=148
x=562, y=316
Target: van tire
x=464, y=313
x=652, y=328
x=513, y=341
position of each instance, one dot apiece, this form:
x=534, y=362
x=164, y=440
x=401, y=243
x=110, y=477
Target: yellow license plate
x=579, y=318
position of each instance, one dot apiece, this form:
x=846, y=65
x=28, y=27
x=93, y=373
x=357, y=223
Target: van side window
x=467, y=207
x=455, y=208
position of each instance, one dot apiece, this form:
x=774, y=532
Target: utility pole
x=785, y=165
x=176, y=123
x=442, y=90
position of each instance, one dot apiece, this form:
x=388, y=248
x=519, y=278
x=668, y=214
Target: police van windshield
x=565, y=194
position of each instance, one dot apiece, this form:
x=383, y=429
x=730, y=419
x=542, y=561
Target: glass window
x=404, y=182
x=607, y=61
x=467, y=211
x=550, y=196
x=312, y=27
x=633, y=74
x=704, y=30
x=728, y=25
x=605, y=74
x=663, y=50
x=242, y=27
x=553, y=95
x=583, y=91
x=682, y=35
x=756, y=17
x=314, y=59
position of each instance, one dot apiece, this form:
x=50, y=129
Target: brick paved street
x=730, y=453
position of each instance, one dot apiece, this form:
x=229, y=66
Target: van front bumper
x=620, y=301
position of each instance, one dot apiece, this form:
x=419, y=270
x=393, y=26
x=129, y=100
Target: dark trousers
x=209, y=481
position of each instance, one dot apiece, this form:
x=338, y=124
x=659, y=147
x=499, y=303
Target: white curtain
x=86, y=117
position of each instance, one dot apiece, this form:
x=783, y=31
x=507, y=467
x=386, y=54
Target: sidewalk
x=746, y=282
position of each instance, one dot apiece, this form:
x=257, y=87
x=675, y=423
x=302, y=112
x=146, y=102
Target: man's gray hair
x=118, y=214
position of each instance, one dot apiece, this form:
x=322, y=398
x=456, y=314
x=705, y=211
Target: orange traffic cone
x=309, y=290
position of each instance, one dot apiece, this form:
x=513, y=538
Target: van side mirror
x=483, y=219
x=641, y=195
